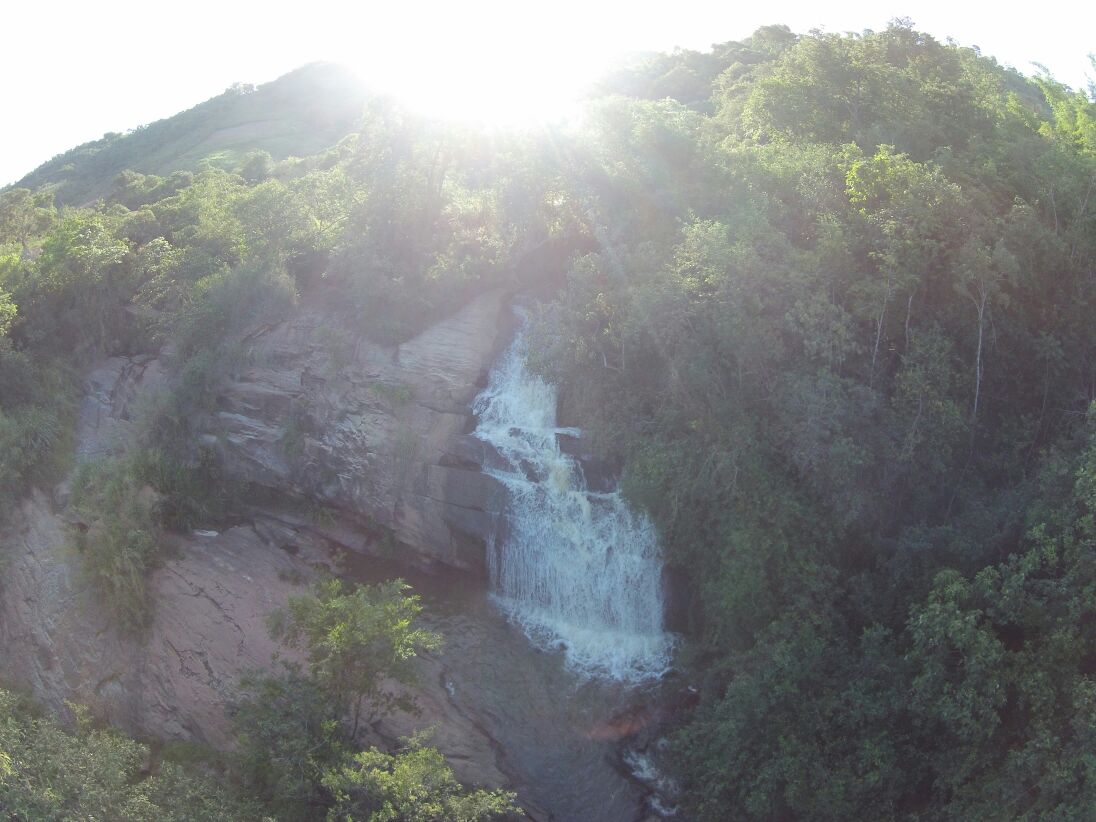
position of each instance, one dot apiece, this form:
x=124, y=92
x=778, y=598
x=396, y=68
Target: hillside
x=819, y=310
x=298, y=114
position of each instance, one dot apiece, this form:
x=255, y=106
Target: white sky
x=75, y=70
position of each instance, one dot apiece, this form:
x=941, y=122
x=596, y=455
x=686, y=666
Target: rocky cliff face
x=213, y=596
x=376, y=435
x=211, y=600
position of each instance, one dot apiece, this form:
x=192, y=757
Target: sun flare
x=476, y=71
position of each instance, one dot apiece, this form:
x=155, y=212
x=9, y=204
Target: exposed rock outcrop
x=213, y=597
x=211, y=600
x=113, y=392
x=377, y=434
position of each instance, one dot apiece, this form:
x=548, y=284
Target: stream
x=567, y=635
x=551, y=724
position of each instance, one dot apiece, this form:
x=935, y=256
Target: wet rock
x=677, y=598
x=469, y=750
x=600, y=475
x=573, y=444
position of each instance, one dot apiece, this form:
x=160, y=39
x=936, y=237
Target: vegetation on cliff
x=297, y=755
x=297, y=732
x=840, y=331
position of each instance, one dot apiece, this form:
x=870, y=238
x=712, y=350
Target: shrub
x=357, y=640
x=47, y=773
x=118, y=536
x=413, y=784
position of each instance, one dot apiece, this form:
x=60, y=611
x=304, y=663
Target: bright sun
x=475, y=70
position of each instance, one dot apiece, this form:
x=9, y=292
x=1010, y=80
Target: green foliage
x=979, y=703
x=72, y=296
x=8, y=310
x=898, y=86
x=414, y=785
x=24, y=214
x=118, y=536
x=191, y=493
x=356, y=640
x=296, y=757
x=298, y=114
x=121, y=508
x=34, y=446
x=832, y=333
x=35, y=409
x=47, y=773
x=294, y=750
x=288, y=735
x=828, y=300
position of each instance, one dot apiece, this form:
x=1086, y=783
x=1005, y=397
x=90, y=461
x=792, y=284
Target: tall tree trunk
x=878, y=335
x=909, y=312
x=978, y=362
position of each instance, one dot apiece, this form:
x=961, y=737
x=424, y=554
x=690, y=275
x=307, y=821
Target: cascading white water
x=578, y=570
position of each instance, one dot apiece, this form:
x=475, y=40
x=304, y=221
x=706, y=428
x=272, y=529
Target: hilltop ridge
x=300, y=113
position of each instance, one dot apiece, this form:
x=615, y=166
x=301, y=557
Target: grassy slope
x=298, y=114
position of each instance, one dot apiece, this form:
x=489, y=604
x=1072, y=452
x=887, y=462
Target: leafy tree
x=47, y=773
x=288, y=735
x=357, y=639
x=74, y=300
x=413, y=785
x=294, y=754
x=24, y=214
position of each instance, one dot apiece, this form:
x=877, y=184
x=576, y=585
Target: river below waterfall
x=568, y=633
x=554, y=727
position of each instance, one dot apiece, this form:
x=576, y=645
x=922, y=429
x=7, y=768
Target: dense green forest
x=828, y=299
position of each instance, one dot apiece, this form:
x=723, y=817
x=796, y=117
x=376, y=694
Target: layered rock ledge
x=376, y=434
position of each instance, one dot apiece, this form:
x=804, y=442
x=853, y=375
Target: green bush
x=288, y=733
x=117, y=536
x=415, y=784
x=49, y=774
x=358, y=639
x=297, y=757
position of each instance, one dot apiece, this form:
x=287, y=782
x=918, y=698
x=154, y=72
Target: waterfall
x=577, y=570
